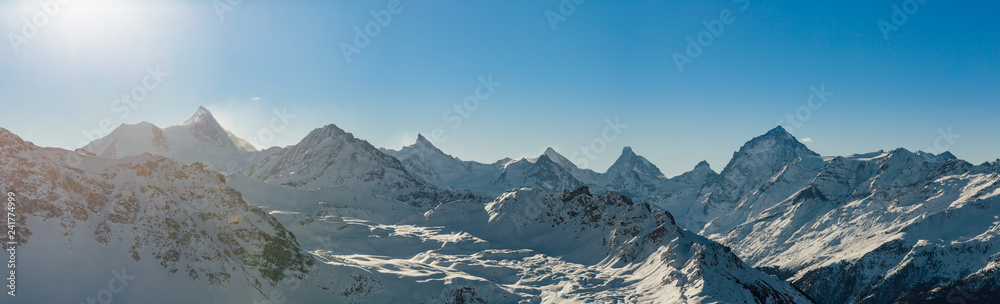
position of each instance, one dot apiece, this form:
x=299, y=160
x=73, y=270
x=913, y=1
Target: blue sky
x=558, y=86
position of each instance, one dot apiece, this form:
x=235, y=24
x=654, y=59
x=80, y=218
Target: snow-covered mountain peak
x=701, y=174
x=776, y=140
x=551, y=153
x=330, y=157
x=631, y=162
x=627, y=150
x=328, y=131
x=202, y=115
x=504, y=162
x=423, y=145
x=203, y=126
x=703, y=165
x=422, y=140
x=559, y=159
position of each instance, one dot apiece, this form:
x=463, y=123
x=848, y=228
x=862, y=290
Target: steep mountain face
x=329, y=157
x=147, y=218
x=585, y=176
x=427, y=161
x=767, y=168
x=625, y=250
x=635, y=176
x=879, y=227
x=199, y=139
x=540, y=173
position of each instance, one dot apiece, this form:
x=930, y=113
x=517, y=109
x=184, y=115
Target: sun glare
x=100, y=21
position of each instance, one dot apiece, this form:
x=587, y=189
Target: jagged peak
x=326, y=131
x=558, y=158
x=779, y=130
x=629, y=161
x=627, y=150
x=202, y=115
x=947, y=155
x=775, y=138
x=423, y=143
x=703, y=165
x=422, y=140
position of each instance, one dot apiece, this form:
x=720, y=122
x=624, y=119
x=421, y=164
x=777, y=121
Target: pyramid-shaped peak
x=627, y=151
x=325, y=132
x=555, y=156
x=703, y=164
x=629, y=161
x=421, y=139
x=779, y=130
x=422, y=144
x=775, y=141
x=203, y=115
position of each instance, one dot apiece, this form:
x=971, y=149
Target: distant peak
x=901, y=151
x=629, y=161
x=423, y=144
x=422, y=139
x=627, y=151
x=776, y=139
x=326, y=131
x=202, y=115
x=777, y=130
x=703, y=164
x=555, y=156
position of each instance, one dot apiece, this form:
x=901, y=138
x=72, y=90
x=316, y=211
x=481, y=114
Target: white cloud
x=807, y=140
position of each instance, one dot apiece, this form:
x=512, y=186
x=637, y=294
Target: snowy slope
x=631, y=174
x=147, y=229
x=866, y=228
x=145, y=216
x=577, y=247
x=331, y=157
x=427, y=161
x=199, y=139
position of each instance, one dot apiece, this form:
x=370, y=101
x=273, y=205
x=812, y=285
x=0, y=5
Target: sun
x=99, y=20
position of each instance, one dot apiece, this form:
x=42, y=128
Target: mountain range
x=333, y=218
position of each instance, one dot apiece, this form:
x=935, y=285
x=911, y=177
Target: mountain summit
x=631, y=162
x=199, y=139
